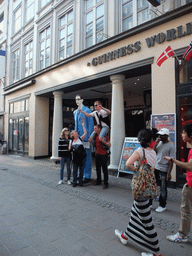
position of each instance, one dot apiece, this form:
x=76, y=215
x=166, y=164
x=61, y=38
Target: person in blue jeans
x=163, y=147
x=79, y=155
x=64, y=155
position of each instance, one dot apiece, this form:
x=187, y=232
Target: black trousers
x=101, y=161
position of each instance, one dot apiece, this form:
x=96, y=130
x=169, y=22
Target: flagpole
x=177, y=58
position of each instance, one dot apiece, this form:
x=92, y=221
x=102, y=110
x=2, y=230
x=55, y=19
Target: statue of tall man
x=89, y=126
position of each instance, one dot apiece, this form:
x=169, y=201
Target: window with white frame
x=29, y=10
x=66, y=35
x=17, y=19
x=44, y=2
x=130, y=17
x=1, y=22
x=142, y=11
x=94, y=15
x=16, y=65
x=45, y=45
x=28, y=58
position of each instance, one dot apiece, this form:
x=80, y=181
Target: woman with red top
x=101, y=156
x=186, y=203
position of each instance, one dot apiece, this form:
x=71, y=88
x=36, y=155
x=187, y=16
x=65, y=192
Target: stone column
x=117, y=120
x=57, y=122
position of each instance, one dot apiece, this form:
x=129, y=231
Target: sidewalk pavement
x=39, y=217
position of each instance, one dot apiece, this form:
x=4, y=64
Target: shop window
x=185, y=71
x=185, y=104
x=94, y=11
x=66, y=35
x=19, y=106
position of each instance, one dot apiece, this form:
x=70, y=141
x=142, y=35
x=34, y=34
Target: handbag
x=143, y=182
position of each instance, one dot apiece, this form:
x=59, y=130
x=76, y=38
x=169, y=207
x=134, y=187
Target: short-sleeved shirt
x=101, y=113
x=150, y=155
x=189, y=173
x=99, y=146
x=164, y=149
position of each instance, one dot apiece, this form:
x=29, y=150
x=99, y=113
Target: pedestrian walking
x=140, y=228
x=186, y=202
x=64, y=155
x=78, y=155
x=163, y=147
x=101, y=145
x=101, y=117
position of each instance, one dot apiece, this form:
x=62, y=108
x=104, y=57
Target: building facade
x=99, y=49
x=3, y=38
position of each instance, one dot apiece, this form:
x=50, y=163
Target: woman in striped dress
x=140, y=228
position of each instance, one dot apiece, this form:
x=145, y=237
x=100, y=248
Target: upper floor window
x=1, y=22
x=94, y=11
x=130, y=18
x=45, y=44
x=66, y=35
x=44, y=2
x=16, y=65
x=127, y=14
x=17, y=19
x=28, y=58
x=29, y=12
x=142, y=11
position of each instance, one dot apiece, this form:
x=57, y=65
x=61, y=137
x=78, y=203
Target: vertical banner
x=129, y=146
x=165, y=121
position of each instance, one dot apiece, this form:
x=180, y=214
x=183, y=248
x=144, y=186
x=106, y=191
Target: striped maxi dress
x=140, y=228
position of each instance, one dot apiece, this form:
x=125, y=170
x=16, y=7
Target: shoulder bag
x=143, y=182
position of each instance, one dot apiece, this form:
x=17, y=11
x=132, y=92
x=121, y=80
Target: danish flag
x=165, y=55
x=188, y=53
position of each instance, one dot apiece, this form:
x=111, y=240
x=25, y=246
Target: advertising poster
x=129, y=146
x=165, y=121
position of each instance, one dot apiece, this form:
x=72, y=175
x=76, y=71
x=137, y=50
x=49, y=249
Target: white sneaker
x=160, y=209
x=177, y=238
x=149, y=254
x=119, y=233
x=69, y=182
x=60, y=182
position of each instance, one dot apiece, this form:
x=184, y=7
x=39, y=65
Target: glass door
x=21, y=135
x=26, y=137
x=15, y=135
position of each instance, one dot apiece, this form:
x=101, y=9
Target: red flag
x=165, y=55
x=188, y=53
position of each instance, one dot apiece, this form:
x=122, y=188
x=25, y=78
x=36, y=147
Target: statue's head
x=78, y=100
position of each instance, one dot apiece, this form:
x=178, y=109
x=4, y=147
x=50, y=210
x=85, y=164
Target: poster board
x=165, y=121
x=129, y=146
